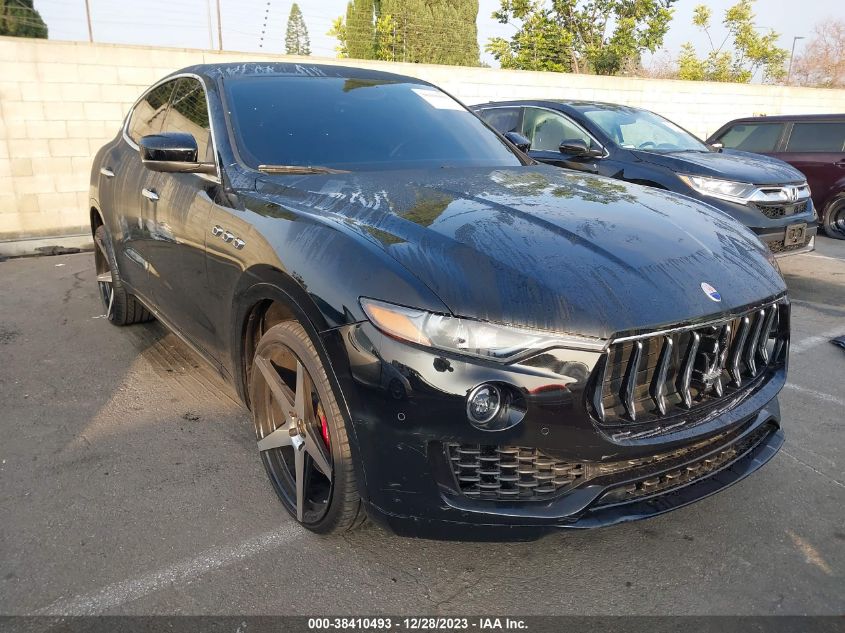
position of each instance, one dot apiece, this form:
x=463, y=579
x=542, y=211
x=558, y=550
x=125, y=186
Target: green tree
x=742, y=53
x=21, y=19
x=595, y=36
x=296, y=38
x=418, y=31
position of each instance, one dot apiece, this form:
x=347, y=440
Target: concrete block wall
x=60, y=101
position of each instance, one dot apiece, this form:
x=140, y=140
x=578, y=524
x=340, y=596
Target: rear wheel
x=121, y=307
x=301, y=433
x=834, y=218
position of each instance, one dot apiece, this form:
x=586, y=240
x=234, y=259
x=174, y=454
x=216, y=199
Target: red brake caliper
x=324, y=428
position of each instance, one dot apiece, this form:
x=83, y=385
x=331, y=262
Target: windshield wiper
x=299, y=169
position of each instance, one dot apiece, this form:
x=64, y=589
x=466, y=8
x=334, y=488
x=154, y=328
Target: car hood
x=728, y=164
x=543, y=247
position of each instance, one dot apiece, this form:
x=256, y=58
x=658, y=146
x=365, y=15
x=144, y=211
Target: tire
x=121, y=307
x=309, y=427
x=833, y=220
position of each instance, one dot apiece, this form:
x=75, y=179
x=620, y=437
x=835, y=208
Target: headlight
x=717, y=188
x=467, y=336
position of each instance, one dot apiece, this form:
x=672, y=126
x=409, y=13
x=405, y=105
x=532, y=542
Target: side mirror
x=717, y=146
x=172, y=152
x=522, y=143
x=578, y=147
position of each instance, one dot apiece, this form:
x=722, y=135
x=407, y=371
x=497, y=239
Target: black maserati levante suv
x=766, y=194
x=429, y=328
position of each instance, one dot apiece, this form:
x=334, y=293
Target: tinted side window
x=148, y=115
x=546, y=129
x=189, y=113
x=753, y=137
x=502, y=119
x=817, y=137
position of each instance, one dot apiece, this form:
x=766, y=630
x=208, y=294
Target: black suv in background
x=812, y=143
x=765, y=194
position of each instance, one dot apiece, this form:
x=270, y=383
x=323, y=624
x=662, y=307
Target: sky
x=259, y=25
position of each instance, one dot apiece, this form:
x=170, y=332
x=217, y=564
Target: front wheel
x=301, y=433
x=121, y=307
x=834, y=218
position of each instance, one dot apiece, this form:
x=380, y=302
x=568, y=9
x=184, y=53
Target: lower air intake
x=509, y=472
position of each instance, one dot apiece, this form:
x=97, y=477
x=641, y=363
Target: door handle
x=105, y=171
x=149, y=194
x=840, y=164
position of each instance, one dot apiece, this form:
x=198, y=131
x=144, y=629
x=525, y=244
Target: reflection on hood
x=546, y=248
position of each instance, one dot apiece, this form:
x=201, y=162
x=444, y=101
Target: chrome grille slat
x=630, y=383
x=736, y=354
x=722, y=355
x=597, y=393
x=671, y=372
x=762, y=349
x=750, y=353
x=685, y=375
x=657, y=389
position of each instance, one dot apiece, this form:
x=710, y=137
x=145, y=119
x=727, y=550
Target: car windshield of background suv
x=642, y=130
x=357, y=125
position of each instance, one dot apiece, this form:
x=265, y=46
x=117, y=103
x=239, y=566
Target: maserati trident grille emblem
x=712, y=361
x=711, y=292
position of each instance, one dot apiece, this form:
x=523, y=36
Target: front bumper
x=505, y=523
x=407, y=405
x=774, y=232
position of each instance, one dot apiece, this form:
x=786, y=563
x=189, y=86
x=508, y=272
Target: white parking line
x=807, y=343
x=836, y=259
x=186, y=571
x=821, y=395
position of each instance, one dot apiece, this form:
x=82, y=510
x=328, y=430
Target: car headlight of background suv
x=470, y=337
x=718, y=188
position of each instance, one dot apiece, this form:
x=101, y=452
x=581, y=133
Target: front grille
x=688, y=472
x=653, y=377
x=779, y=247
x=775, y=211
x=509, y=472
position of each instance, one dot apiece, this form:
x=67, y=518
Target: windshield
x=354, y=124
x=643, y=130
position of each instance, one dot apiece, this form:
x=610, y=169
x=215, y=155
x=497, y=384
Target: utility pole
x=210, y=28
x=791, y=56
x=219, y=28
x=88, y=16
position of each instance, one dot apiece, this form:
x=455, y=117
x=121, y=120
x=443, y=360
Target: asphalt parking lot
x=129, y=483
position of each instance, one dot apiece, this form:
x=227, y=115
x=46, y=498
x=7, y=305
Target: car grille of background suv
x=509, y=472
x=653, y=377
x=776, y=211
x=779, y=247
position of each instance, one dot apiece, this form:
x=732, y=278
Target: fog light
x=484, y=403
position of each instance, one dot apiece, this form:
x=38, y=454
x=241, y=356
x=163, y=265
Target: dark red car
x=812, y=143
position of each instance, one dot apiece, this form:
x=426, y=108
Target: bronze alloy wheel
x=104, y=276
x=121, y=308
x=301, y=434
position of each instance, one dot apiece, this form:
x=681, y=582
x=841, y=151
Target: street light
x=791, y=56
